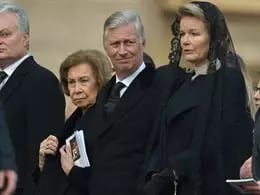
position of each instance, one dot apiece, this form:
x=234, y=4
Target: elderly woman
x=82, y=75
x=206, y=119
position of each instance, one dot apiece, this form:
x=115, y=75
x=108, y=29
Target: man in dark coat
x=118, y=128
x=8, y=176
x=32, y=99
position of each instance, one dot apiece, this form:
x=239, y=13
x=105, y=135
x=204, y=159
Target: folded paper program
x=78, y=149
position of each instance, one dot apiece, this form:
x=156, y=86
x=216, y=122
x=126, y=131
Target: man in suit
x=122, y=129
x=8, y=176
x=119, y=126
x=32, y=99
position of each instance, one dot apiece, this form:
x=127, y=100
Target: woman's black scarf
x=222, y=49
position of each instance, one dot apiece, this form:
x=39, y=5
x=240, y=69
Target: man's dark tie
x=114, y=97
x=3, y=75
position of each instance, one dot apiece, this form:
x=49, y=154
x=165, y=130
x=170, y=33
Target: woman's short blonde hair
x=98, y=62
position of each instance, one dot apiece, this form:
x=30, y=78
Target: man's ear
x=26, y=40
x=143, y=42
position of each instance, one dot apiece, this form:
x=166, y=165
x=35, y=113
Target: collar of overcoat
x=131, y=98
x=16, y=78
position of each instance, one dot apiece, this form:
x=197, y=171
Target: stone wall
x=59, y=27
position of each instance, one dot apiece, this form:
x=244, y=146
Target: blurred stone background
x=59, y=27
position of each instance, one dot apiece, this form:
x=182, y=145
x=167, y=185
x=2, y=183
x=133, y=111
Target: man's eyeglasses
x=256, y=89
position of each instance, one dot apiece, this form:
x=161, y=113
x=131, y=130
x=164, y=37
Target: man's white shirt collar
x=128, y=80
x=9, y=70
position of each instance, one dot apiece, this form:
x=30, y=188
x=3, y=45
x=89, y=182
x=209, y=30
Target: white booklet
x=78, y=149
x=237, y=183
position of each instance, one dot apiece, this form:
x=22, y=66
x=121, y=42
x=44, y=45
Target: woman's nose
x=185, y=39
x=77, y=87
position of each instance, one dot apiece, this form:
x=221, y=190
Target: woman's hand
x=66, y=159
x=246, y=172
x=252, y=189
x=47, y=146
x=246, y=169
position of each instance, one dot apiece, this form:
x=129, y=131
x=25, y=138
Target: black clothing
x=3, y=75
x=52, y=180
x=202, y=126
x=256, y=148
x=122, y=137
x=197, y=126
x=117, y=144
x=7, y=156
x=34, y=106
x=114, y=97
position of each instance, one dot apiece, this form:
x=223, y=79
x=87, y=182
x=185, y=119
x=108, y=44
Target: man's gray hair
x=22, y=18
x=121, y=18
